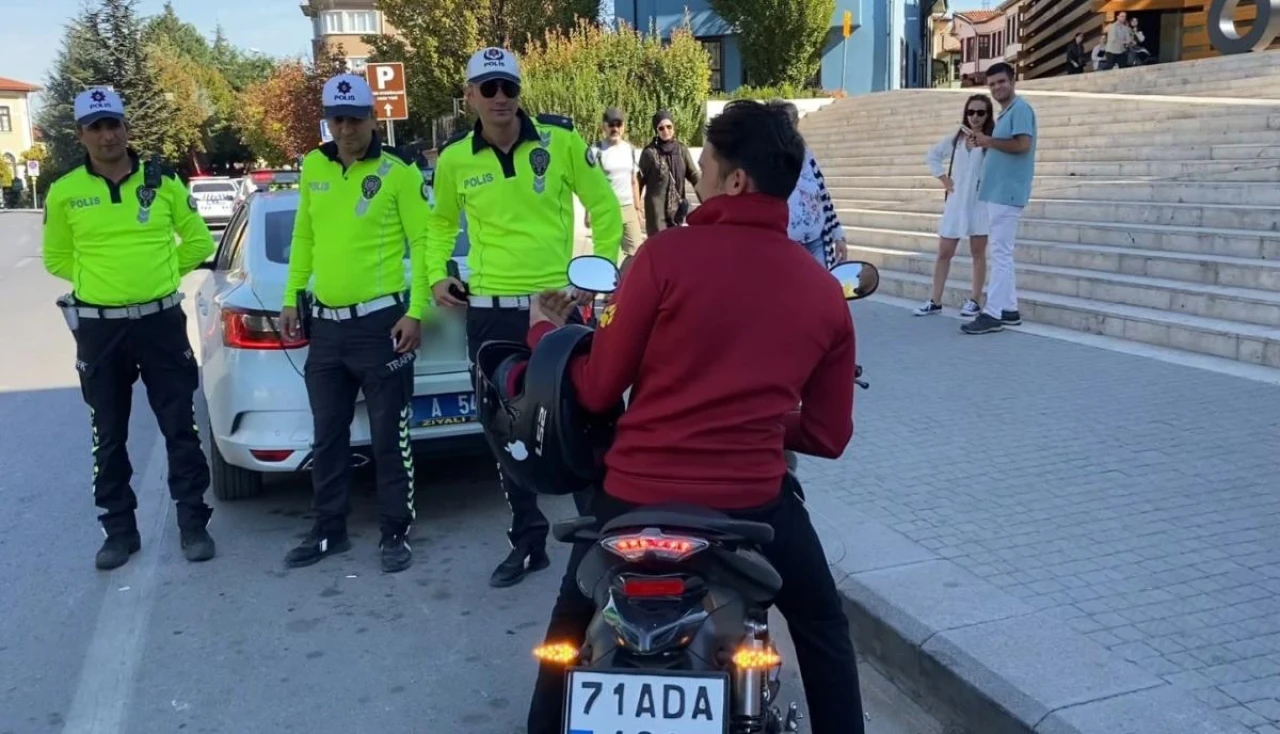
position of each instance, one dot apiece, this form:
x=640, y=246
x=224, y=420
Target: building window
x=6, y=120
x=984, y=46
x=357, y=64
x=715, y=49
x=349, y=22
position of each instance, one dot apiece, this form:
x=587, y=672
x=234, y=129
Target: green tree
x=241, y=69
x=80, y=63
x=436, y=37
x=280, y=116
x=185, y=38
x=780, y=39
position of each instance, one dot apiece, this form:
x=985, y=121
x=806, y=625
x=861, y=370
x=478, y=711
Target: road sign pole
x=35, y=192
x=846, y=31
x=391, y=133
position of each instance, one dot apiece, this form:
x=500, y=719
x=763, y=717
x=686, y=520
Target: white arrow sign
x=387, y=108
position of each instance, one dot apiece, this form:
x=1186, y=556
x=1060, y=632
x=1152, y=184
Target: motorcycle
x=680, y=642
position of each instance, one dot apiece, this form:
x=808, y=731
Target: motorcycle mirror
x=593, y=273
x=858, y=279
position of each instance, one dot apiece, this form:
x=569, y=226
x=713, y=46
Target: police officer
x=109, y=229
x=515, y=177
x=359, y=204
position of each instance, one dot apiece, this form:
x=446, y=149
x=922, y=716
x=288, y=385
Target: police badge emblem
x=539, y=161
x=193, y=204
x=593, y=156
x=369, y=188
x=146, y=197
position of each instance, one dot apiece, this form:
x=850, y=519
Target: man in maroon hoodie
x=703, y=330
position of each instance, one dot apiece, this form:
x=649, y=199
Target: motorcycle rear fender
x=710, y=648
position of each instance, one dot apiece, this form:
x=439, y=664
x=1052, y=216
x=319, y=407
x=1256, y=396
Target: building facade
x=945, y=51
x=17, y=134
x=1175, y=30
x=889, y=48
x=988, y=37
x=343, y=24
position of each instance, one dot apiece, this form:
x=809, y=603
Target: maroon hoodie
x=720, y=329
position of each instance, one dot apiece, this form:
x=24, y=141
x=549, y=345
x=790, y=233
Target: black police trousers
x=110, y=356
x=809, y=602
x=343, y=358
x=529, y=527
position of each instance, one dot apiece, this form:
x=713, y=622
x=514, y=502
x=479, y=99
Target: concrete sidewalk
x=1045, y=536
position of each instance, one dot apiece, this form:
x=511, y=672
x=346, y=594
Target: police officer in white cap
x=359, y=204
x=109, y=230
x=515, y=177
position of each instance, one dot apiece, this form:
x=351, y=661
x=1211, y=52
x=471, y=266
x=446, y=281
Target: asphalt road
x=239, y=644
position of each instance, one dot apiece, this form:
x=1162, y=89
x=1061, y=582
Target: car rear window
x=213, y=187
x=279, y=238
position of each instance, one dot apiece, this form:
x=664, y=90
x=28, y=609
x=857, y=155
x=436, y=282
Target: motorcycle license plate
x=646, y=702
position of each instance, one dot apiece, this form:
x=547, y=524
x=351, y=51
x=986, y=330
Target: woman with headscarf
x=666, y=165
x=814, y=223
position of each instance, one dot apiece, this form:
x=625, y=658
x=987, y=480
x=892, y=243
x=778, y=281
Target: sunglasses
x=976, y=113
x=614, y=123
x=667, y=126
x=489, y=89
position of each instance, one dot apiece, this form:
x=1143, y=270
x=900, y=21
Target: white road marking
x=105, y=687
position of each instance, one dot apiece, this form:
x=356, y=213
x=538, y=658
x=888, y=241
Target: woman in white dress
x=957, y=163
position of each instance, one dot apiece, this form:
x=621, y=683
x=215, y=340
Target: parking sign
x=33, y=169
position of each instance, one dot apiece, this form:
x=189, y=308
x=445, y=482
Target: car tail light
x=271, y=456
x=640, y=588
x=656, y=544
x=260, y=177
x=255, y=330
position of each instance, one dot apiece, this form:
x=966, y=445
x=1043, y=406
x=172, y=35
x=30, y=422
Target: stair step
x=1234, y=272
x=1243, y=342
x=1055, y=154
x=1084, y=211
x=1243, y=243
x=1144, y=192
x=1081, y=139
x=1236, y=305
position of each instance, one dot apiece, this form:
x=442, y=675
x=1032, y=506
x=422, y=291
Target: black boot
x=316, y=546
x=197, y=544
x=396, y=553
x=518, y=564
x=116, y=549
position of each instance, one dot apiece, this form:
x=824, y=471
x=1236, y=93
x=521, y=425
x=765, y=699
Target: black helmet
x=542, y=437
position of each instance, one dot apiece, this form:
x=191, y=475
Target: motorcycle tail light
x=656, y=544
x=647, y=588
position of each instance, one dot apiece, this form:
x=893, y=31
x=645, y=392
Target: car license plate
x=443, y=410
x=644, y=702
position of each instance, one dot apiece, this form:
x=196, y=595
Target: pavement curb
x=980, y=660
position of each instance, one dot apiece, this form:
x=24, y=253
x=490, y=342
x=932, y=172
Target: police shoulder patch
x=426, y=191
x=557, y=120
x=192, y=204
x=593, y=156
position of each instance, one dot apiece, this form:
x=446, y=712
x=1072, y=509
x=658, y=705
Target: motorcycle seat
x=692, y=518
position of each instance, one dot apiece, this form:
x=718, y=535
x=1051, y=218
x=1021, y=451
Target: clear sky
x=31, y=30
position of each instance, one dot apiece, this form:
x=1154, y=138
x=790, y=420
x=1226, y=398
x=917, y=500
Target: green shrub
x=583, y=72
x=786, y=91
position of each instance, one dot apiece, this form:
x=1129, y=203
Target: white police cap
x=347, y=95
x=98, y=103
x=492, y=63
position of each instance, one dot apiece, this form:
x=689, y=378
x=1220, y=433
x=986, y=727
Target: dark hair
x=1001, y=68
x=989, y=126
x=761, y=140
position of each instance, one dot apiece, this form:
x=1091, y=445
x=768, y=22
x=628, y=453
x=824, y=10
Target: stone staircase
x=1151, y=220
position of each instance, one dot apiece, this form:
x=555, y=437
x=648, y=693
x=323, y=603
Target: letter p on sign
x=384, y=75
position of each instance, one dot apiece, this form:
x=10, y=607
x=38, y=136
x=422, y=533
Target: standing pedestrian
x=957, y=162
x=109, y=230
x=515, y=177
x=1119, y=37
x=1076, y=55
x=812, y=220
x=621, y=163
x=1007, y=175
x=666, y=165
x=359, y=205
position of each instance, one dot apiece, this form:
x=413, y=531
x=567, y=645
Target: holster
x=303, y=304
x=67, y=304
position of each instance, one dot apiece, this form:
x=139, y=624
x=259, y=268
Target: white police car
x=259, y=415
x=215, y=198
